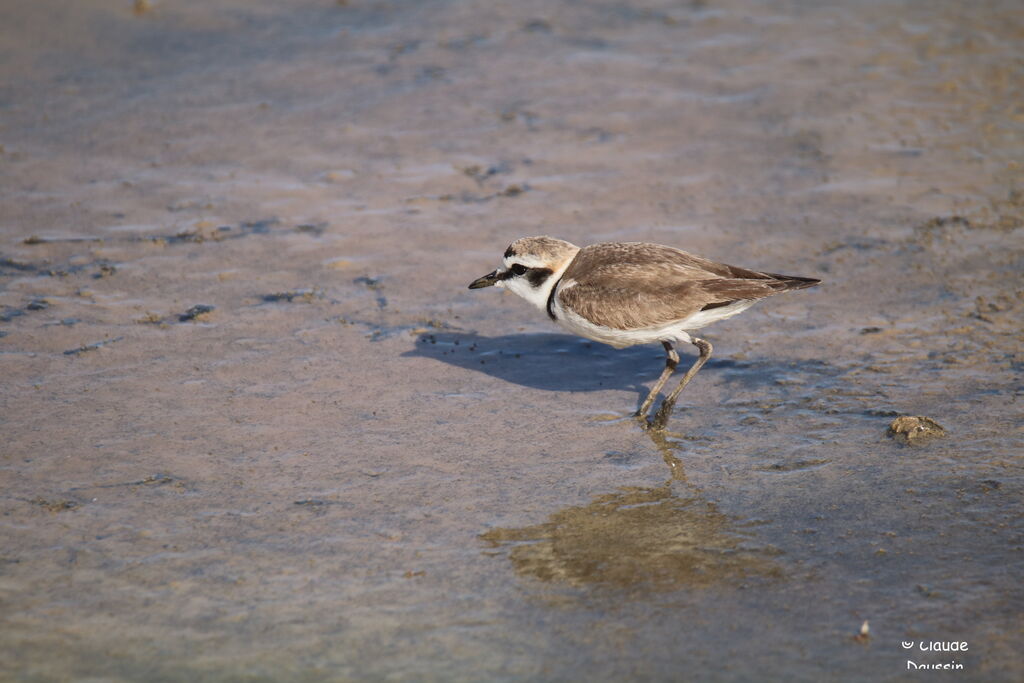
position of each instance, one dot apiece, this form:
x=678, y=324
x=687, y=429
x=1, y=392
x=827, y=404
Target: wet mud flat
x=254, y=426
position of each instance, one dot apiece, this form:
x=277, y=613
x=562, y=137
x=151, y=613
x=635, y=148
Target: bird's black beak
x=488, y=280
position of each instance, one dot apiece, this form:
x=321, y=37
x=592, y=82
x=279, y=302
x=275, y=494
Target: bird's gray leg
x=670, y=365
x=661, y=419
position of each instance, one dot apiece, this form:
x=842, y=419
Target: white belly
x=675, y=330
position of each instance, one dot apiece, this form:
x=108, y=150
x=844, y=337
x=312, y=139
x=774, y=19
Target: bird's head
x=531, y=266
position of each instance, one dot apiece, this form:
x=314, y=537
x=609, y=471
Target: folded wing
x=635, y=285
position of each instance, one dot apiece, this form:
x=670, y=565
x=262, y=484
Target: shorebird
x=626, y=293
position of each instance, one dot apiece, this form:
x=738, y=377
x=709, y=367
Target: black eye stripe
x=537, y=276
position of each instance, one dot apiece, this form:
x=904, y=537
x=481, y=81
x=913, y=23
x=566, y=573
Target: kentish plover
x=626, y=293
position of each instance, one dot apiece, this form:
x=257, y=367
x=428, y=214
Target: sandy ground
x=255, y=427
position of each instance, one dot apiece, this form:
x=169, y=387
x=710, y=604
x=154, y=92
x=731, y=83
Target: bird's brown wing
x=630, y=307
x=634, y=285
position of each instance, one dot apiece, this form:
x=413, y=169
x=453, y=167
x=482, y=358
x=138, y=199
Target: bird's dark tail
x=791, y=282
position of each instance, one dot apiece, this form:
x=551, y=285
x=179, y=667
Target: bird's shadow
x=560, y=362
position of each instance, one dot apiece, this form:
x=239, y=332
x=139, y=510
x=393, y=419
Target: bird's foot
x=660, y=420
x=643, y=420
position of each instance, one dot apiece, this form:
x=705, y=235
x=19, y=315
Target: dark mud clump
x=106, y=270
x=91, y=347
x=54, y=505
x=201, y=232
x=16, y=266
x=513, y=190
x=302, y=296
x=907, y=429
x=312, y=228
x=10, y=314
x=198, y=312
x=480, y=174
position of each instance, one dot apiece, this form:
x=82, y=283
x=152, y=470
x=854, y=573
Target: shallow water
x=352, y=467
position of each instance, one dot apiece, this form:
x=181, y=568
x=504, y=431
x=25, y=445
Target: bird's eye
x=518, y=269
